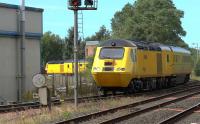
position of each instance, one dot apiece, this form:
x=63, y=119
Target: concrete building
x=90, y=48
x=10, y=49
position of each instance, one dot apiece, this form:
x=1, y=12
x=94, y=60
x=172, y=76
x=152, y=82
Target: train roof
x=179, y=50
x=118, y=42
x=129, y=43
x=143, y=45
x=65, y=61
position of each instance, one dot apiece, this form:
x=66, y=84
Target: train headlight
x=120, y=69
x=96, y=69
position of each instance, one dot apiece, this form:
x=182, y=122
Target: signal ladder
x=80, y=25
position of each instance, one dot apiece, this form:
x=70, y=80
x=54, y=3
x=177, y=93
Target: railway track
x=96, y=98
x=90, y=118
x=24, y=106
x=181, y=115
x=139, y=112
x=35, y=105
x=109, y=96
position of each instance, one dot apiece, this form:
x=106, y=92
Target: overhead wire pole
x=22, y=50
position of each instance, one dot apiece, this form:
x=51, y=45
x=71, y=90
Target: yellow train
x=64, y=67
x=131, y=66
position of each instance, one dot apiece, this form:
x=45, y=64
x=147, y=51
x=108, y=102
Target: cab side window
x=133, y=55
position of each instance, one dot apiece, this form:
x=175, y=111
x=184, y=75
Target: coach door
x=159, y=63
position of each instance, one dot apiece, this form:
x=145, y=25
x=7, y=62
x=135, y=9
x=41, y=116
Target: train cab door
x=159, y=64
x=169, y=62
x=134, y=60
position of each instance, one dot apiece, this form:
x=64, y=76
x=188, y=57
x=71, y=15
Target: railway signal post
x=76, y=5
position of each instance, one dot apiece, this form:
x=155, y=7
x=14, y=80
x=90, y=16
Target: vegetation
x=150, y=20
x=146, y=20
x=51, y=46
x=197, y=69
x=102, y=35
x=56, y=48
x=69, y=44
x=63, y=112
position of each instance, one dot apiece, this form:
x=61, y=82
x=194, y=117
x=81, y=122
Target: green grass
x=193, y=77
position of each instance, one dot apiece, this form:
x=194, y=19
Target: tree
x=102, y=35
x=51, y=46
x=150, y=20
x=197, y=69
x=69, y=45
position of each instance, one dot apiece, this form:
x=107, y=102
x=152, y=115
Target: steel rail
x=139, y=112
x=97, y=97
x=101, y=113
x=19, y=108
x=82, y=99
x=29, y=105
x=17, y=105
x=24, y=106
x=180, y=115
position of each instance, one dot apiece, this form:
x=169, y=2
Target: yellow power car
x=132, y=66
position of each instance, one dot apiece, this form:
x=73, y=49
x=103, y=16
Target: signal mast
x=76, y=5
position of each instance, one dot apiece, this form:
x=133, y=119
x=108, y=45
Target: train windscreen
x=111, y=53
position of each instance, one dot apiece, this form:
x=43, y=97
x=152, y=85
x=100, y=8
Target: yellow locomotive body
x=64, y=67
x=123, y=64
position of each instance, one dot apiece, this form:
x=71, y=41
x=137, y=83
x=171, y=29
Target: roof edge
x=12, y=6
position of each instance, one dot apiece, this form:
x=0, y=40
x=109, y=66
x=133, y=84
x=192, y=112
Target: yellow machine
x=64, y=67
x=132, y=66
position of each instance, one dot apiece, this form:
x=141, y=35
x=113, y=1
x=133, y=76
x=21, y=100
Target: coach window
x=133, y=55
x=168, y=58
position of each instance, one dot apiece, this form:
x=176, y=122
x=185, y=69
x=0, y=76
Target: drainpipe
x=22, y=50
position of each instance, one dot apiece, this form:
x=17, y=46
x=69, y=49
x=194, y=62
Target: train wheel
x=105, y=92
x=148, y=85
x=114, y=92
x=169, y=83
x=130, y=88
x=136, y=85
x=164, y=83
x=187, y=78
x=153, y=84
x=158, y=83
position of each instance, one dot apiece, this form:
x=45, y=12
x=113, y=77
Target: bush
x=28, y=96
x=197, y=69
